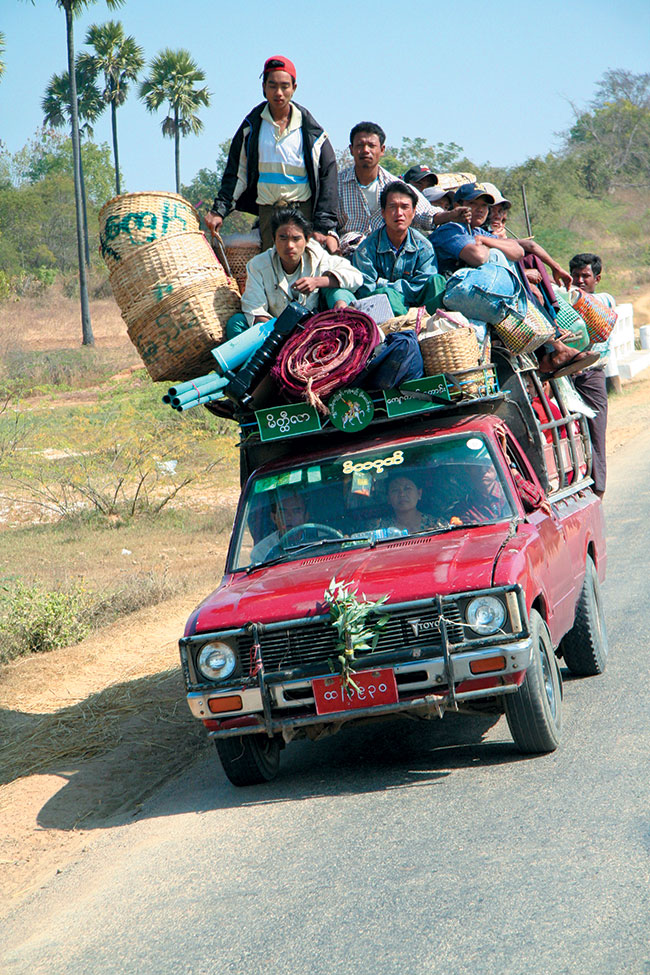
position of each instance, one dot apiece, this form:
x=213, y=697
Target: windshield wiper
x=298, y=548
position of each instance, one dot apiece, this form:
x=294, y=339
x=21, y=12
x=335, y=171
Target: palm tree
x=172, y=78
x=71, y=8
x=120, y=59
x=90, y=105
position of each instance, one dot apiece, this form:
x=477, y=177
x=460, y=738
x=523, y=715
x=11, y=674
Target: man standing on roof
x=280, y=154
x=360, y=186
x=591, y=383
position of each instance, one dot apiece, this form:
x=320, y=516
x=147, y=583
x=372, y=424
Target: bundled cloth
x=326, y=354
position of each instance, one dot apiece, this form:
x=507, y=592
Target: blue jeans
x=487, y=293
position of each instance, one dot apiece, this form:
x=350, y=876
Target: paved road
x=421, y=848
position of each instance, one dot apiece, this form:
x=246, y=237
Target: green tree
x=120, y=60
x=610, y=141
x=56, y=112
x=205, y=186
x=439, y=156
x=2, y=49
x=173, y=77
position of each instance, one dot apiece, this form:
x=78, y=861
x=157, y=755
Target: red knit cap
x=279, y=63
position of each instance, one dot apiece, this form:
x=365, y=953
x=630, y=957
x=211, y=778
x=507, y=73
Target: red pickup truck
x=471, y=526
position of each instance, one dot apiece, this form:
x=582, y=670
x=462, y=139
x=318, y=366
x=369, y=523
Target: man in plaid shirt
x=360, y=187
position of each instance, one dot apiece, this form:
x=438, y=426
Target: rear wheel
x=585, y=646
x=534, y=713
x=249, y=759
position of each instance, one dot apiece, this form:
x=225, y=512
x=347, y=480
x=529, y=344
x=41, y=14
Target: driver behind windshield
x=288, y=510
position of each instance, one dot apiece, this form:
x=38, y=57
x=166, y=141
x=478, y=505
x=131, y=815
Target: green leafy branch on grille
x=356, y=632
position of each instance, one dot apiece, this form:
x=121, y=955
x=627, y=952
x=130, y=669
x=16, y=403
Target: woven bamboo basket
x=522, y=335
x=142, y=281
x=475, y=383
x=452, y=351
x=239, y=249
x=175, y=339
x=132, y=220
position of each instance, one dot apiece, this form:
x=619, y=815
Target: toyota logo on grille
x=419, y=626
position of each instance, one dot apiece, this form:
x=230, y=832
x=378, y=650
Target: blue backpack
x=394, y=361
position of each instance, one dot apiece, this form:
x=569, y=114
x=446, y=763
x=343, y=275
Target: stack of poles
x=229, y=356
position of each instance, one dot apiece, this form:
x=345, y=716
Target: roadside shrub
x=35, y=620
x=139, y=590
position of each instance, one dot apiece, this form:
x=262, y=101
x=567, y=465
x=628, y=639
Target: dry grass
x=94, y=726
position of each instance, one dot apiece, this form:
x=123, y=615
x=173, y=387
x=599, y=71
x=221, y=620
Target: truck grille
x=314, y=643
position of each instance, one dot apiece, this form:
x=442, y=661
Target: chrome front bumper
x=435, y=687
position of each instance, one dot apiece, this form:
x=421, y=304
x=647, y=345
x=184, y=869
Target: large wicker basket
x=129, y=221
x=452, y=351
x=239, y=249
x=174, y=295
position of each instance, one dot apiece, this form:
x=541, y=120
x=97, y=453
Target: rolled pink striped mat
x=325, y=355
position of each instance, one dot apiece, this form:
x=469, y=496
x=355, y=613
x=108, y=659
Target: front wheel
x=249, y=759
x=585, y=646
x=534, y=713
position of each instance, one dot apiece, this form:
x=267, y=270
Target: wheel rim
x=547, y=678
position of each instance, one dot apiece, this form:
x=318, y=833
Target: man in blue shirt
x=468, y=245
x=396, y=260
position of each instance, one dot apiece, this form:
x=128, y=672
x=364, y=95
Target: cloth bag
x=397, y=359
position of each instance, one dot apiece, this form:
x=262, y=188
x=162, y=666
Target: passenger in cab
x=404, y=496
x=280, y=153
x=397, y=260
x=360, y=187
x=296, y=268
x=586, y=270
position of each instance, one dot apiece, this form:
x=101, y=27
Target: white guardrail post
x=621, y=343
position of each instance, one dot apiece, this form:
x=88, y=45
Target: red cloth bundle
x=326, y=354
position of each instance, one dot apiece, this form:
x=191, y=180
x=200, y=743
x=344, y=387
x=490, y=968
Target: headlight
x=216, y=661
x=485, y=614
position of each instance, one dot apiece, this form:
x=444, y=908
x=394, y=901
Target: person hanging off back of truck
x=296, y=268
x=586, y=270
x=397, y=260
x=280, y=153
x=360, y=187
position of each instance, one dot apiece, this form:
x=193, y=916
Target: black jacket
x=239, y=184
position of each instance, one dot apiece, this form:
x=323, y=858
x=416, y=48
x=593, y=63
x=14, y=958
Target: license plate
x=375, y=687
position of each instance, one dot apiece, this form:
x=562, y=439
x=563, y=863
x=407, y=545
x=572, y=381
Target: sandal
x=577, y=362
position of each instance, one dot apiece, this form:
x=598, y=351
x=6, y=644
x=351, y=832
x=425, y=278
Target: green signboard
x=351, y=410
x=398, y=404
x=278, y=422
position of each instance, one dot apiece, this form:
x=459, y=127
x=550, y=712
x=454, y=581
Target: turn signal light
x=487, y=665
x=219, y=704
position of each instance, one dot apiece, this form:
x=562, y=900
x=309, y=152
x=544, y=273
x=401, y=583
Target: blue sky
x=493, y=77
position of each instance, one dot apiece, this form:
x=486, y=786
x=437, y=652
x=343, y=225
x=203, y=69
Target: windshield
x=355, y=499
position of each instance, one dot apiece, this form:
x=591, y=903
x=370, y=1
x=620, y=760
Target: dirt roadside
x=91, y=730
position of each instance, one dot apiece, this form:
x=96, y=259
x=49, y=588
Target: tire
x=534, y=712
x=585, y=647
x=249, y=759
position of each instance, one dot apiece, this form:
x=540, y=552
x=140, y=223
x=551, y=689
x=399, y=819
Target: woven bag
x=452, y=351
x=568, y=320
x=599, y=319
x=521, y=335
x=239, y=249
x=132, y=220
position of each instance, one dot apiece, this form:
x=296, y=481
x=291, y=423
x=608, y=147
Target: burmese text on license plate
x=374, y=687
